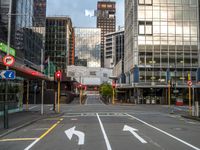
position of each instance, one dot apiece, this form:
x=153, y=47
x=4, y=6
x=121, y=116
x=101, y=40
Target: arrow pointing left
x=81, y=136
x=2, y=75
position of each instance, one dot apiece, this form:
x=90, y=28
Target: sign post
x=113, y=87
x=189, y=82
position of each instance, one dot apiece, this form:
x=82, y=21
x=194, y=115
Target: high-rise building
x=114, y=48
x=87, y=47
x=106, y=20
x=161, y=46
x=59, y=41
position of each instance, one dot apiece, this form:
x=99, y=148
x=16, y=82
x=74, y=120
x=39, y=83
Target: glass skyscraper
x=87, y=47
x=162, y=40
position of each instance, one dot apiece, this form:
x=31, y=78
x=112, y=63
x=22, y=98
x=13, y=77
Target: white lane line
x=32, y=107
x=164, y=132
x=104, y=134
x=31, y=145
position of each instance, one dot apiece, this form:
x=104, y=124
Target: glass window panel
x=164, y=29
x=148, y=29
x=156, y=14
x=178, y=30
x=141, y=15
x=141, y=1
x=193, y=2
x=148, y=14
x=148, y=2
x=193, y=30
x=141, y=29
x=156, y=29
x=164, y=14
x=171, y=29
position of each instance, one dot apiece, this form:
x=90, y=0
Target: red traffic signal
x=113, y=84
x=58, y=75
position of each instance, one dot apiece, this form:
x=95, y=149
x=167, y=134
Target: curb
x=26, y=124
x=191, y=117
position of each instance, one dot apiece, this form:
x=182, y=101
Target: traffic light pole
x=58, y=96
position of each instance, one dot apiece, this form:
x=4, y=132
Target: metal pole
x=27, y=95
x=58, y=96
x=169, y=101
x=6, y=82
x=193, y=105
x=190, y=105
x=42, y=98
x=113, y=97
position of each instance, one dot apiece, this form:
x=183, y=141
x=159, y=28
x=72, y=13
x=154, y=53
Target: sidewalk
x=21, y=119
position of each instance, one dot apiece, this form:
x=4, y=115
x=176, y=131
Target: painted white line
x=104, y=134
x=31, y=145
x=32, y=107
x=164, y=132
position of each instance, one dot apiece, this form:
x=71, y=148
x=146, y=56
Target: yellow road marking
x=43, y=135
x=17, y=139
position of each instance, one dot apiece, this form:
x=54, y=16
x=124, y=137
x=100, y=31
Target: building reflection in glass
x=87, y=47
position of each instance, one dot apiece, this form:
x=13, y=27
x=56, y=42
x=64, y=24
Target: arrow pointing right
x=133, y=131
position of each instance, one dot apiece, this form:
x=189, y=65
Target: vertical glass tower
x=162, y=36
x=87, y=47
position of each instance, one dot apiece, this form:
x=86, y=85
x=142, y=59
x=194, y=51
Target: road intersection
x=106, y=127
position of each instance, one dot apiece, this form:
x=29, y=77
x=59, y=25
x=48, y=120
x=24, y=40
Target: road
x=107, y=127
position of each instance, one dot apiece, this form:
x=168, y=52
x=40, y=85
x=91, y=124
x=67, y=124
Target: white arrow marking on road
x=70, y=132
x=133, y=131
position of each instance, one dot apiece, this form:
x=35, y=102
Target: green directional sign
x=4, y=48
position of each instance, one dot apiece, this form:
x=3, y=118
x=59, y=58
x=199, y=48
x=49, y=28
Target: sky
x=80, y=11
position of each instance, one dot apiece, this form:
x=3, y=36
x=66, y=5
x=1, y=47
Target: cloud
x=89, y=13
x=81, y=11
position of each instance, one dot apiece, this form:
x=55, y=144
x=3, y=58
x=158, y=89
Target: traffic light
x=58, y=75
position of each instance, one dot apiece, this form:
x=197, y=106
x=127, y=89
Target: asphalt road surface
x=96, y=126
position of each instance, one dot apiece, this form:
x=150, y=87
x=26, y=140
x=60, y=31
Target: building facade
x=161, y=46
x=87, y=47
x=59, y=41
x=114, y=48
x=106, y=20
x=27, y=44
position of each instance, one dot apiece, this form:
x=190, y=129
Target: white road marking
x=164, y=132
x=104, y=134
x=133, y=131
x=31, y=145
x=32, y=107
x=81, y=136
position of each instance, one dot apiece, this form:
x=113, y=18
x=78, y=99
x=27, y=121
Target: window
x=145, y=28
x=145, y=2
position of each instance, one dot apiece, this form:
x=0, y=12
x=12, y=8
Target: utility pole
x=6, y=126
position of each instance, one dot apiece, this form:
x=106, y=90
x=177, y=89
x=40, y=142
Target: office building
x=27, y=44
x=87, y=47
x=114, y=48
x=161, y=47
x=59, y=41
x=106, y=20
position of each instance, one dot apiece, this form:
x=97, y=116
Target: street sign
x=8, y=60
x=189, y=83
x=7, y=74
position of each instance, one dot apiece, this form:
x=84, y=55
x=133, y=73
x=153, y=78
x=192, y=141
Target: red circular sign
x=189, y=82
x=8, y=60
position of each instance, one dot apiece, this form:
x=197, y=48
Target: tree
x=106, y=91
